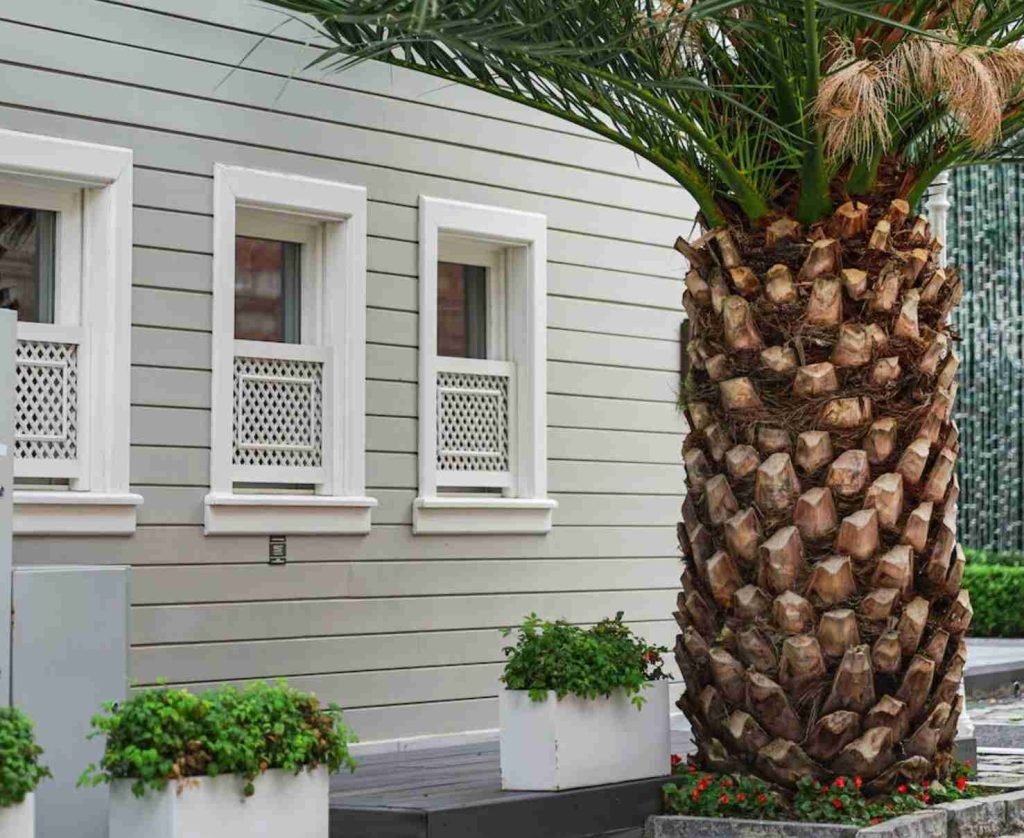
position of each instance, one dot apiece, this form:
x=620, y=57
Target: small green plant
x=20, y=771
x=164, y=734
x=720, y=796
x=583, y=662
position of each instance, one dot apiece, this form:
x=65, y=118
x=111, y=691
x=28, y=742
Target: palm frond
x=755, y=106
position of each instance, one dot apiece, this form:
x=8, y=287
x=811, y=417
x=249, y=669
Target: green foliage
x=997, y=592
x=841, y=801
x=167, y=734
x=992, y=557
x=20, y=771
x=584, y=662
x=721, y=796
x=720, y=94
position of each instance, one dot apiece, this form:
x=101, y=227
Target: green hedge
x=977, y=557
x=997, y=596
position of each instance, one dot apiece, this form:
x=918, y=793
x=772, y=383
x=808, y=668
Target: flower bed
x=841, y=801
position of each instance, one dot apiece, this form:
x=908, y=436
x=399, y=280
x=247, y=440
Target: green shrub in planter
x=997, y=592
x=161, y=735
x=20, y=771
x=569, y=660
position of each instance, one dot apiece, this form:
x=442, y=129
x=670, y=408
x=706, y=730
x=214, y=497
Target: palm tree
x=821, y=614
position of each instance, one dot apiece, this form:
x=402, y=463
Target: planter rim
x=661, y=682
x=185, y=781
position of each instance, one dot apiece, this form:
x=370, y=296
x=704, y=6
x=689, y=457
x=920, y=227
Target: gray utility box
x=69, y=654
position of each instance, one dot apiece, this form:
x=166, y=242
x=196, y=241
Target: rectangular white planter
x=19, y=821
x=550, y=745
x=285, y=805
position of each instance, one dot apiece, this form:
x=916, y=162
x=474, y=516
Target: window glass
x=267, y=282
x=461, y=310
x=27, y=258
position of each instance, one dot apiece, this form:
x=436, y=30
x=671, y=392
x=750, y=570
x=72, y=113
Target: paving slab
x=928, y=824
x=674, y=826
x=978, y=818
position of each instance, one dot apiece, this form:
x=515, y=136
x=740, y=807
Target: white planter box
x=550, y=745
x=19, y=821
x=284, y=806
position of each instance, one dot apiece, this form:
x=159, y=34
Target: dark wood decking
x=456, y=793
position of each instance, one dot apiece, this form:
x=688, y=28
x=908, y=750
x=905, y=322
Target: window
x=288, y=356
x=65, y=268
x=28, y=250
x=482, y=378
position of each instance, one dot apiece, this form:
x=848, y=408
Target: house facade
x=351, y=369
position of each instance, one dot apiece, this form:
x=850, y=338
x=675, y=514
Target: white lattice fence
x=475, y=433
x=47, y=409
x=278, y=413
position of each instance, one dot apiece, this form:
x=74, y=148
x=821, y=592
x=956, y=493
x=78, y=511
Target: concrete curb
x=983, y=817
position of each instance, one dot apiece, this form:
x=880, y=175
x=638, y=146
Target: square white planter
x=19, y=821
x=550, y=745
x=285, y=805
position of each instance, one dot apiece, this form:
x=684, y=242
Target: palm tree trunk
x=821, y=612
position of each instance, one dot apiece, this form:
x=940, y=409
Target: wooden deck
x=456, y=793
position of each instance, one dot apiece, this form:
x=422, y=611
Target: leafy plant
x=988, y=557
x=584, y=662
x=996, y=594
x=20, y=771
x=169, y=734
x=721, y=796
x=843, y=801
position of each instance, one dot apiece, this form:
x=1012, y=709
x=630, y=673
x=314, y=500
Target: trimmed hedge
x=977, y=557
x=997, y=596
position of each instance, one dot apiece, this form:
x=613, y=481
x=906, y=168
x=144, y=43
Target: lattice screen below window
x=46, y=412
x=278, y=413
x=472, y=422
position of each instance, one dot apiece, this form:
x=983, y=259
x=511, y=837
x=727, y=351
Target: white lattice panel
x=472, y=422
x=46, y=412
x=278, y=413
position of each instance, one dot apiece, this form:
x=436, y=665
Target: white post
x=938, y=214
x=8, y=347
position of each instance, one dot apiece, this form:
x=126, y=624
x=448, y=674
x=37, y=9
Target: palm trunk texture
x=821, y=612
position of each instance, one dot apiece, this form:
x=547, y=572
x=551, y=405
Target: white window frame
x=91, y=187
x=517, y=321
x=332, y=217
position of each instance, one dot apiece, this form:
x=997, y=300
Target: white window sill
x=230, y=514
x=74, y=513
x=471, y=515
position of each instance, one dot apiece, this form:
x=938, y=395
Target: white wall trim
x=102, y=309
x=340, y=329
x=74, y=513
x=523, y=235
x=244, y=514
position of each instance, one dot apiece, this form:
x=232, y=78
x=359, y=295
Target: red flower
x=761, y=799
x=902, y=789
x=740, y=797
x=824, y=789
x=926, y=797
x=692, y=769
x=703, y=784
x=875, y=820
x=837, y=802
x=724, y=798
x=676, y=760
x=726, y=784
x=961, y=783
x=840, y=783
x=926, y=783
x=858, y=782
x=696, y=793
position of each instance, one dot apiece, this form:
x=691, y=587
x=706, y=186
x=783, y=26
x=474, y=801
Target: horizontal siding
x=402, y=630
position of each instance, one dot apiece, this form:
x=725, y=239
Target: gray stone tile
x=927, y=824
x=979, y=818
x=667, y=826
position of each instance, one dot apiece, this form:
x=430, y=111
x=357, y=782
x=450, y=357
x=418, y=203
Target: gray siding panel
x=398, y=628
